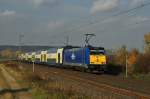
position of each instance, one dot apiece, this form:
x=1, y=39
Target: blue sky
x=48, y=22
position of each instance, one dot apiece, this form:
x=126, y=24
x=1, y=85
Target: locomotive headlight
x=103, y=62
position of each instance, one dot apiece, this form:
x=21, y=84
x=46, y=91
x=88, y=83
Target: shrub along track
x=128, y=88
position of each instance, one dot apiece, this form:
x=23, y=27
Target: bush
x=114, y=69
x=143, y=63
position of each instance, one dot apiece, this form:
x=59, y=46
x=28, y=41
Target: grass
x=145, y=77
x=53, y=89
x=39, y=94
x=56, y=88
x=56, y=93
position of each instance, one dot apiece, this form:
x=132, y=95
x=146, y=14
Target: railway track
x=92, y=80
x=109, y=87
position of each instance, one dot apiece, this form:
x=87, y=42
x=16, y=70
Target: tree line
x=9, y=54
x=135, y=61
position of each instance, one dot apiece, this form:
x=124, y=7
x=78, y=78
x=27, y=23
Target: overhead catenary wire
x=104, y=19
x=115, y=15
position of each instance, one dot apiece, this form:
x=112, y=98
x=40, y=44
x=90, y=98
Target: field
x=54, y=83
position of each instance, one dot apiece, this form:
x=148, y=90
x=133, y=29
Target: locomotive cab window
x=95, y=52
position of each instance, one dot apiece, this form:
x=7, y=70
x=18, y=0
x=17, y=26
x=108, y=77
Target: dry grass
x=49, y=86
x=53, y=89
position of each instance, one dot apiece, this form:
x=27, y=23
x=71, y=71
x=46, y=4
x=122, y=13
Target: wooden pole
x=126, y=66
x=33, y=67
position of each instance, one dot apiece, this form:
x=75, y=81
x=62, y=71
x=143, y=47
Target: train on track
x=85, y=58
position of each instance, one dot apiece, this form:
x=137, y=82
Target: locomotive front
x=97, y=58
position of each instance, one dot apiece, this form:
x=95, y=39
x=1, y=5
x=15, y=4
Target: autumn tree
x=120, y=56
x=17, y=53
x=132, y=59
x=7, y=53
x=143, y=63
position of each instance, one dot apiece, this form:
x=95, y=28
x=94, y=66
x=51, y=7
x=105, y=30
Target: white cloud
x=140, y=19
x=7, y=13
x=37, y=3
x=55, y=24
x=104, y=5
x=134, y=3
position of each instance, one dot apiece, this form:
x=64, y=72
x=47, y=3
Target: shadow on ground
x=113, y=69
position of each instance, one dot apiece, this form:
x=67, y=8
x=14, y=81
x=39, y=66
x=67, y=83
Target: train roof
x=95, y=48
x=70, y=47
x=89, y=46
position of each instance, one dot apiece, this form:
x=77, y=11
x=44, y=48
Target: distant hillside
x=37, y=47
x=24, y=48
